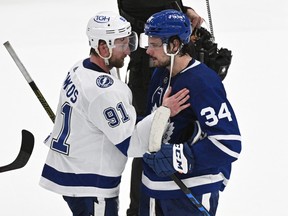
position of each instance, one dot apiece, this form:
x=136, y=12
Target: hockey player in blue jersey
x=203, y=162
x=95, y=127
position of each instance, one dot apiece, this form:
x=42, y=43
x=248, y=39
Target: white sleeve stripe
x=189, y=182
x=226, y=137
x=223, y=147
x=206, y=200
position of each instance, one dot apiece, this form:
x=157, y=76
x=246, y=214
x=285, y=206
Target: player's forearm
x=140, y=137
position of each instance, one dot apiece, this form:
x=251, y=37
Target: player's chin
x=155, y=63
x=119, y=63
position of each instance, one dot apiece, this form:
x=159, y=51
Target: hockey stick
x=210, y=19
x=158, y=127
x=24, y=154
x=29, y=80
x=189, y=194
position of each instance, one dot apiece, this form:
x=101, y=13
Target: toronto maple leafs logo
x=104, y=81
x=154, y=107
x=169, y=131
x=157, y=96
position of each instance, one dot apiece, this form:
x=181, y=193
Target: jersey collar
x=92, y=66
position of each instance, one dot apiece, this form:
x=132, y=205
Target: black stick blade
x=25, y=152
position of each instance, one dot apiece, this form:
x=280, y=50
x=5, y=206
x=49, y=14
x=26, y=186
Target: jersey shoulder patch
x=104, y=81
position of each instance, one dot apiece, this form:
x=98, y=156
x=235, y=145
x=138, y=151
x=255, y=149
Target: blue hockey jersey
x=221, y=144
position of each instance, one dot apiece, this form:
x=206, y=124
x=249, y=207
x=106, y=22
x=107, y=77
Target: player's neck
x=180, y=63
x=100, y=62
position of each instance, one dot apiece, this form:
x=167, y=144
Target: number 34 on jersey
x=213, y=117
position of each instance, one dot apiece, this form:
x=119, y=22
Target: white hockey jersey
x=94, y=132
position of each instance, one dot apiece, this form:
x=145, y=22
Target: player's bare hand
x=195, y=19
x=177, y=102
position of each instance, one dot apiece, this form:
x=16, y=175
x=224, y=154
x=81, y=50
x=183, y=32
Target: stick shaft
x=30, y=80
x=189, y=194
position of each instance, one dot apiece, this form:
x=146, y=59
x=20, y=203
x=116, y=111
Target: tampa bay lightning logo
x=104, y=81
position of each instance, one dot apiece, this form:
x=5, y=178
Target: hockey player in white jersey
x=95, y=127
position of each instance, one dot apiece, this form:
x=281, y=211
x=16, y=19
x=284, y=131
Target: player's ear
x=174, y=45
x=103, y=49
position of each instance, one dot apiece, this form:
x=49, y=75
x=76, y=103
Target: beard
x=157, y=63
x=118, y=63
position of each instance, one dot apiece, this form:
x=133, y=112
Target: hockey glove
x=170, y=158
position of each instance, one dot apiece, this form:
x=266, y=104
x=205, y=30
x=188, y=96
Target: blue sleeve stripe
x=123, y=146
x=82, y=180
